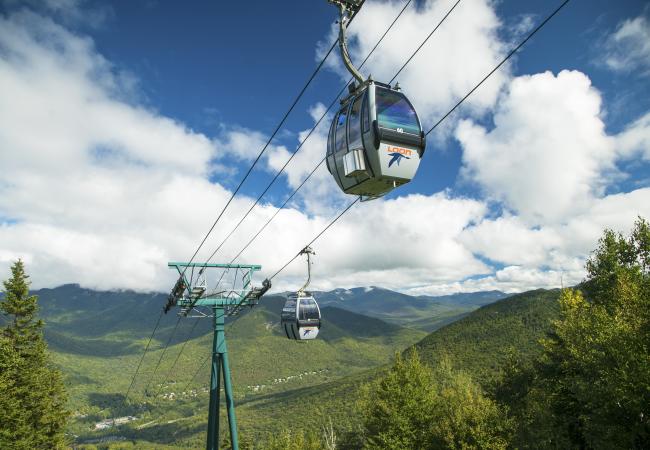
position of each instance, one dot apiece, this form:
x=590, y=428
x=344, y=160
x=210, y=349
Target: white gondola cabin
x=301, y=319
x=375, y=142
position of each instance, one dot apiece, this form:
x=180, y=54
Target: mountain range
x=97, y=339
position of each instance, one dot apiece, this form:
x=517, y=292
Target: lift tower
x=193, y=296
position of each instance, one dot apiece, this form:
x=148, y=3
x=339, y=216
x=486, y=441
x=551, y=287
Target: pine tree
x=33, y=395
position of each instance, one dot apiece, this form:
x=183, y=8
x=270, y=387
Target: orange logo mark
x=400, y=150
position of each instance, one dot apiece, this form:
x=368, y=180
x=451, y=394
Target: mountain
x=97, y=339
x=478, y=344
x=427, y=313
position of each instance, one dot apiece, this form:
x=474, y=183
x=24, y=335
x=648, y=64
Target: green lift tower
x=192, y=294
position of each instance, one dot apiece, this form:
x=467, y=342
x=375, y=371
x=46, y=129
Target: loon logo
x=306, y=332
x=396, y=158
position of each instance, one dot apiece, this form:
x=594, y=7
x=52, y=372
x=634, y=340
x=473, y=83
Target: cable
x=445, y=116
x=278, y=210
x=162, y=355
x=250, y=169
x=356, y=200
x=268, y=142
x=323, y=160
x=423, y=42
x=128, y=391
x=539, y=27
x=310, y=132
x=196, y=373
x=230, y=326
x=187, y=339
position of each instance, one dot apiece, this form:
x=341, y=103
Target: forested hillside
x=490, y=355
x=423, y=312
x=97, y=339
x=482, y=342
x=479, y=344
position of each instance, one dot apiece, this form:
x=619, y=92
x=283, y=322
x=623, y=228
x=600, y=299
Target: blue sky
x=160, y=108
x=206, y=63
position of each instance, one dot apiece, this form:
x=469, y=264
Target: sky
x=125, y=127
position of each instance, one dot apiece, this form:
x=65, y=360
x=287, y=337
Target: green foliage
x=397, y=408
x=590, y=388
x=596, y=366
x=478, y=343
x=415, y=407
x=292, y=440
x=464, y=416
x=21, y=309
x=33, y=397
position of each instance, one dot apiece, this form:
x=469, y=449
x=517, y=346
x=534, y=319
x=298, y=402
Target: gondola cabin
x=301, y=317
x=375, y=142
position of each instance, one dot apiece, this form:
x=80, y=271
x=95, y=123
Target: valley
x=97, y=339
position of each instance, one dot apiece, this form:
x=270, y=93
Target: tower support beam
x=222, y=303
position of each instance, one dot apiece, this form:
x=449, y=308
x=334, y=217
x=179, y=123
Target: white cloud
x=77, y=12
x=542, y=257
x=635, y=139
x=103, y=191
x=628, y=48
x=548, y=155
x=510, y=241
x=511, y=279
x=395, y=243
x=458, y=55
x=96, y=188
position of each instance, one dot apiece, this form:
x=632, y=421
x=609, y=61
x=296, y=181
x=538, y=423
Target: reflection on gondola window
x=366, y=114
x=354, y=131
x=308, y=310
x=330, y=140
x=395, y=112
x=340, y=131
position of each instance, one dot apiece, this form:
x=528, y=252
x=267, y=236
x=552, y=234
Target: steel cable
x=169, y=372
x=128, y=391
x=512, y=52
x=300, y=144
x=171, y=336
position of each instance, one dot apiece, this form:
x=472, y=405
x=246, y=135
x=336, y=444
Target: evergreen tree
x=33, y=396
x=296, y=440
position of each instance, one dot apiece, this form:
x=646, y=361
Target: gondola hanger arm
x=347, y=8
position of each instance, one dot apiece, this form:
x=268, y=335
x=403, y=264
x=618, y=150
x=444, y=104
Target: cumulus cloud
x=634, y=141
x=457, y=56
x=628, y=48
x=399, y=243
x=97, y=189
x=102, y=191
x=545, y=256
x=548, y=155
